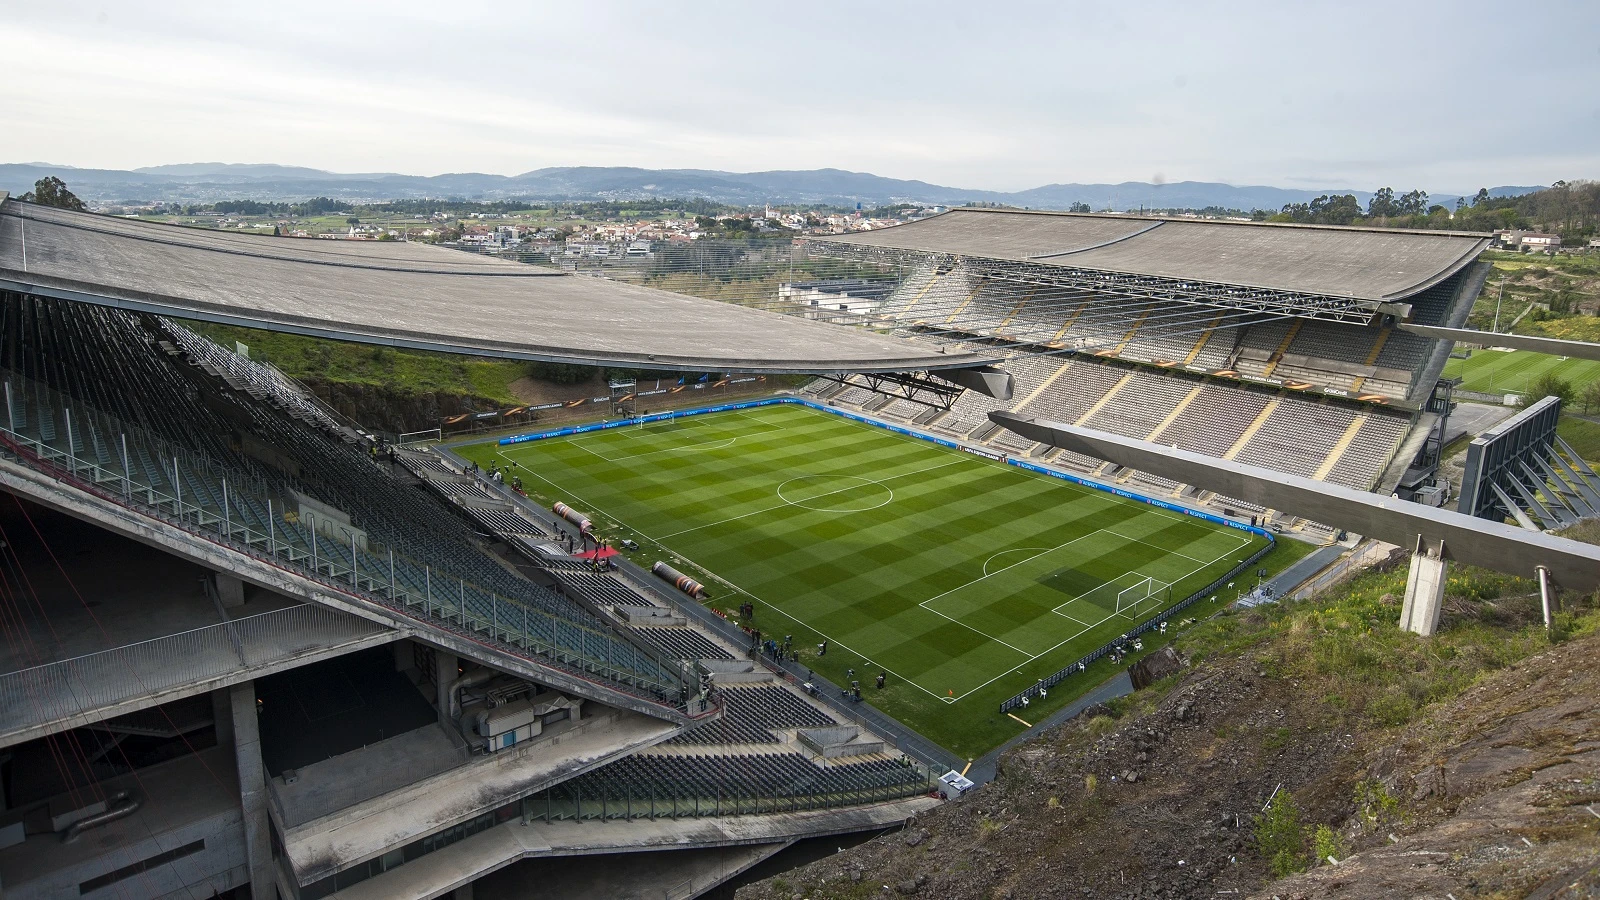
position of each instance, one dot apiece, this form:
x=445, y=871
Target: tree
x=1547, y=385
x=1382, y=204
x=1278, y=835
x=52, y=191
x=1481, y=197
x=1079, y=207
x=352, y=221
x=1412, y=203
x=1590, y=397
x=1339, y=209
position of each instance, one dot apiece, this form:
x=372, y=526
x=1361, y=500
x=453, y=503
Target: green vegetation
x=964, y=579
x=1583, y=436
x=1553, y=296
x=1278, y=835
x=1570, y=208
x=401, y=371
x=52, y=191
x=1346, y=649
x=1518, y=371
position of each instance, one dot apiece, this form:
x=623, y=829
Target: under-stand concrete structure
x=1424, y=601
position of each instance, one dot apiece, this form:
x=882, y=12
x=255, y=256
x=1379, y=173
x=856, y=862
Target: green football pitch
x=962, y=578
x=1511, y=372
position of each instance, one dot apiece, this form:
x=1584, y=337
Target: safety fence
x=1050, y=681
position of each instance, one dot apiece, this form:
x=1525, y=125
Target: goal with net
x=1143, y=597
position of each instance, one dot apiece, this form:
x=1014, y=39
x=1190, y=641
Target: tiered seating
x=648, y=785
x=503, y=522
x=913, y=286
x=179, y=426
x=751, y=714
x=1259, y=342
x=1170, y=333
x=1333, y=341
x=685, y=643
x=1104, y=324
x=1366, y=456
x=1297, y=436
x=1219, y=346
x=854, y=396
x=1214, y=421
x=1067, y=398
x=260, y=381
x=1140, y=406
x=602, y=589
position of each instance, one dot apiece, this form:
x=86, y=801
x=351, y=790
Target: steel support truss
x=916, y=387
x=1116, y=284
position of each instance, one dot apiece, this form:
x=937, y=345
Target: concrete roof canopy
x=422, y=296
x=1371, y=264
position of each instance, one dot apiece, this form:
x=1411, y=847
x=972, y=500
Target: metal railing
x=60, y=690
x=218, y=509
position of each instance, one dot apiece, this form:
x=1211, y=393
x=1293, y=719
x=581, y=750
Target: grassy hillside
x=405, y=371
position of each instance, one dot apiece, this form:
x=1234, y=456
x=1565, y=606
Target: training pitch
x=964, y=579
x=1512, y=372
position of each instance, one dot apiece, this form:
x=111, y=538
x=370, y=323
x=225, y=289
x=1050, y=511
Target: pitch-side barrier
x=1044, y=684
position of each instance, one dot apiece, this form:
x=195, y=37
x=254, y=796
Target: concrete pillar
x=444, y=672
x=222, y=715
x=252, y=790
x=229, y=589
x=1425, y=589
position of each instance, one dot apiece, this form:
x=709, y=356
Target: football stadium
x=649, y=640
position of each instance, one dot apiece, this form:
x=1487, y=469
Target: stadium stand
x=77, y=370
x=751, y=714
x=685, y=643
x=649, y=785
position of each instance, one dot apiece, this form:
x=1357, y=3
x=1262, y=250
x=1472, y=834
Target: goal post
x=1143, y=596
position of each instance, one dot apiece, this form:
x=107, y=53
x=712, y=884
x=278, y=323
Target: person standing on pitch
x=882, y=676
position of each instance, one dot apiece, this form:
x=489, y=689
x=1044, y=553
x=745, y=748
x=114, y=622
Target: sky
x=1447, y=96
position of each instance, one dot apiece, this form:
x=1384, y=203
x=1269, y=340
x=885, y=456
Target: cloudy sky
x=1448, y=96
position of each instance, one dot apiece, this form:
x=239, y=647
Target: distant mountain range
x=209, y=182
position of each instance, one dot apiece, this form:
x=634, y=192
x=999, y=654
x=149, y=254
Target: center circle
x=834, y=493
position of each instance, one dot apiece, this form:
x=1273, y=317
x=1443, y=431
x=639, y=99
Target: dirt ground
x=1491, y=794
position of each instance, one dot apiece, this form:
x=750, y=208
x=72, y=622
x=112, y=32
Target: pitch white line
x=819, y=496
x=832, y=641
x=1089, y=628
x=1071, y=489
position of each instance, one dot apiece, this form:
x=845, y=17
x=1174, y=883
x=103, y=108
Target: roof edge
x=1429, y=232
x=178, y=307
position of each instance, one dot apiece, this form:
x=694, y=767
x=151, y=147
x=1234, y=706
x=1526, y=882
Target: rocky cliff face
x=1490, y=793
x=394, y=411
